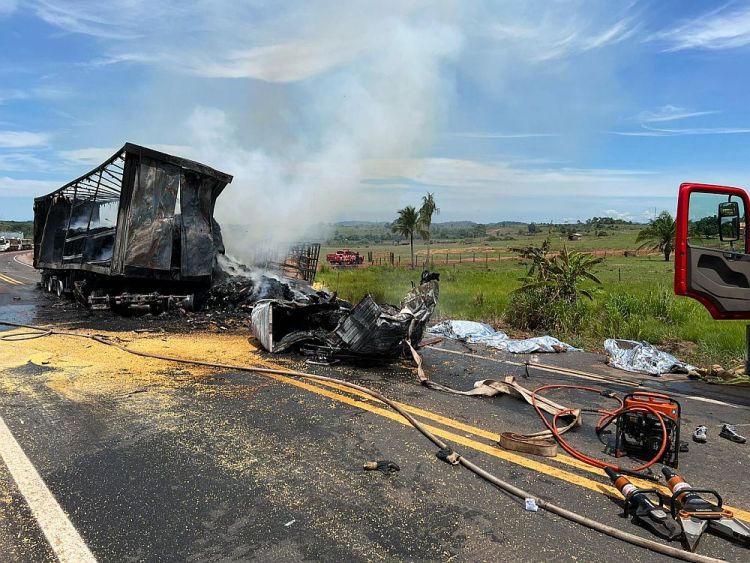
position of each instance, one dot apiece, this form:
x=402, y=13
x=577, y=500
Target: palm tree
x=405, y=225
x=426, y=211
x=659, y=234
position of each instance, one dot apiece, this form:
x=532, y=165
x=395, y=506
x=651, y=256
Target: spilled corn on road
x=151, y=460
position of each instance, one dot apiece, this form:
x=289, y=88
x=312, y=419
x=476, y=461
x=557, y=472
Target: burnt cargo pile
x=328, y=328
x=137, y=230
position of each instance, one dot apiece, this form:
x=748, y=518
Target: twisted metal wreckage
x=331, y=327
x=138, y=230
x=140, y=227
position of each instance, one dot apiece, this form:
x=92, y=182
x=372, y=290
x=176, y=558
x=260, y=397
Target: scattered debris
x=384, y=466
x=729, y=432
x=329, y=327
x=289, y=523
x=448, y=456
x=700, y=434
x=642, y=357
x=717, y=374
x=481, y=333
x=530, y=504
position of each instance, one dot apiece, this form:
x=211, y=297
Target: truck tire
x=59, y=288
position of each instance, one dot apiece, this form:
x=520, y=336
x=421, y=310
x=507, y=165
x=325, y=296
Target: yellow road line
x=456, y=438
x=367, y=403
x=479, y=446
x=10, y=280
x=560, y=458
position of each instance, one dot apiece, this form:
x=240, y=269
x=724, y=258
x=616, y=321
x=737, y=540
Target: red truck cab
x=712, y=264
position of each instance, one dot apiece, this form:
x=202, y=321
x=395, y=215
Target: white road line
x=17, y=261
x=602, y=378
x=54, y=523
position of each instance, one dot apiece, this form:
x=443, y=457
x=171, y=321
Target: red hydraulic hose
x=605, y=420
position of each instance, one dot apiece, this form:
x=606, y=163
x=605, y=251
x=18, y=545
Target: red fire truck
x=344, y=258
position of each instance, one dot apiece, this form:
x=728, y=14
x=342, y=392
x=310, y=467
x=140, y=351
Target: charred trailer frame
x=138, y=229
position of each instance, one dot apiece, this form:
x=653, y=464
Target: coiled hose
x=471, y=466
x=607, y=417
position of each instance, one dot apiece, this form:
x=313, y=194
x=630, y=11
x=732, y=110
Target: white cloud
x=670, y=113
x=44, y=92
x=229, y=39
x=13, y=187
x=90, y=156
x=106, y=20
x=727, y=27
x=499, y=135
x=624, y=215
x=8, y=7
x=19, y=139
x=20, y=161
x=93, y=156
x=285, y=62
x=660, y=132
x=504, y=178
x=9, y=95
x=559, y=32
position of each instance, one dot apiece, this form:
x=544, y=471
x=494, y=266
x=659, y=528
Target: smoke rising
x=381, y=98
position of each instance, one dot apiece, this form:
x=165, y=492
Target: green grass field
x=622, y=238
x=635, y=301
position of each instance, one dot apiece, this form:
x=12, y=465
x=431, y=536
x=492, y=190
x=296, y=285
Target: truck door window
x=704, y=222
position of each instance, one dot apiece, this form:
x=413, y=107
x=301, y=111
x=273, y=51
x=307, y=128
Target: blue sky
x=323, y=110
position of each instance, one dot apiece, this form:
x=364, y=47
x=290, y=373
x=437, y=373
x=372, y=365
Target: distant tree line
x=25, y=227
x=358, y=233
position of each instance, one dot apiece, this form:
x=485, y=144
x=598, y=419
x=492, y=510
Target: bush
x=549, y=298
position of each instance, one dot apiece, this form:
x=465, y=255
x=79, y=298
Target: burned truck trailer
x=136, y=230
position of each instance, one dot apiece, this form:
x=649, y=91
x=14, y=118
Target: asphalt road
x=159, y=462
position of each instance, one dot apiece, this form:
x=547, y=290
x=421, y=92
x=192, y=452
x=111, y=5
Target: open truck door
x=711, y=260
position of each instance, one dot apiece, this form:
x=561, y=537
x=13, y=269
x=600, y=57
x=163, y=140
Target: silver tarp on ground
x=481, y=333
x=642, y=357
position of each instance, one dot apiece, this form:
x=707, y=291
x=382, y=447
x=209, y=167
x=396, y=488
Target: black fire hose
x=520, y=493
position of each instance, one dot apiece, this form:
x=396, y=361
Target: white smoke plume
x=381, y=97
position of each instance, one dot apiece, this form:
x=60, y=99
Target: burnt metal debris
x=328, y=328
x=138, y=229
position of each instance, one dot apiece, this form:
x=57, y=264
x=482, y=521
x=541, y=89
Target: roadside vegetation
x=25, y=227
x=659, y=235
x=635, y=300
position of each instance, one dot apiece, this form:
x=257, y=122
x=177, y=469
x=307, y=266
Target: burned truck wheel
x=117, y=307
x=49, y=286
x=59, y=288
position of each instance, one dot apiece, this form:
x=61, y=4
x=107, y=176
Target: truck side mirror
x=729, y=221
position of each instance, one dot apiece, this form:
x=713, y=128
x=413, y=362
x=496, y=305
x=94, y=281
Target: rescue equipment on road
x=645, y=512
x=695, y=514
